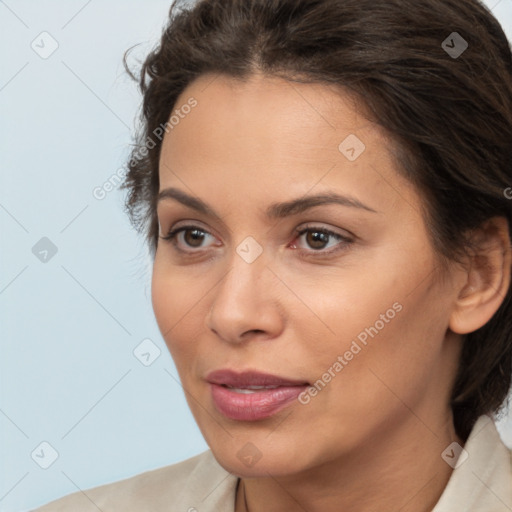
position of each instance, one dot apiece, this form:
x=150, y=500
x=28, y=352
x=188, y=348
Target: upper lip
x=248, y=378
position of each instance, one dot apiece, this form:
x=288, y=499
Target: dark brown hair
x=450, y=115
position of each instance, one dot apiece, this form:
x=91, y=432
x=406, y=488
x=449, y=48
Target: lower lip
x=253, y=406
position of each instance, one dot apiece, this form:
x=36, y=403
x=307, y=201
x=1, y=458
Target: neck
x=400, y=470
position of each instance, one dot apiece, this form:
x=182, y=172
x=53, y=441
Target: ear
x=486, y=280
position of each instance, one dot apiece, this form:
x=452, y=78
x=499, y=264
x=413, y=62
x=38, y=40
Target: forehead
x=276, y=110
x=266, y=133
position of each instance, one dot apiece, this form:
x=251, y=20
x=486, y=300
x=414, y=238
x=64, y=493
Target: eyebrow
x=275, y=210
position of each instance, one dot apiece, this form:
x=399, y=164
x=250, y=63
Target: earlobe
x=487, y=278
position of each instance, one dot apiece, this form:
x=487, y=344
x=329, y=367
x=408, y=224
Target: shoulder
x=153, y=490
x=482, y=479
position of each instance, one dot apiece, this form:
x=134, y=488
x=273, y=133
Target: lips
x=250, y=378
x=252, y=395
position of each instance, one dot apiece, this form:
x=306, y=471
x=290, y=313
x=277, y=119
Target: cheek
x=163, y=299
x=391, y=353
x=348, y=308
x=175, y=305
x=389, y=322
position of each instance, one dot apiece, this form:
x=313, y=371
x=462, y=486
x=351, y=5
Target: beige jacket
x=482, y=483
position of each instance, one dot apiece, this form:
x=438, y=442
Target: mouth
x=252, y=395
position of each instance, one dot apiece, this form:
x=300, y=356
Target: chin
x=259, y=457
x=273, y=465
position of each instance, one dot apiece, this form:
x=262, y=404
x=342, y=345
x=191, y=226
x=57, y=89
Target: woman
x=325, y=189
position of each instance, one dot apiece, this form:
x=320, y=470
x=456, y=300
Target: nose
x=245, y=303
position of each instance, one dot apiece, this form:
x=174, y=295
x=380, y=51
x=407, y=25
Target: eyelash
x=346, y=241
x=344, y=244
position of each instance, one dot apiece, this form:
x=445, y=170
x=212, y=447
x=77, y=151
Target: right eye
x=189, y=236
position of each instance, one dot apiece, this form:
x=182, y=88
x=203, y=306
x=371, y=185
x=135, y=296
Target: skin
x=356, y=445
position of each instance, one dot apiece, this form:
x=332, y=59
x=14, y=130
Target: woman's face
x=350, y=316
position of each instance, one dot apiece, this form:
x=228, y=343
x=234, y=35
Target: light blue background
x=69, y=326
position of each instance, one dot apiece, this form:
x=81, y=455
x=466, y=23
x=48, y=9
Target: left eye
x=319, y=238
